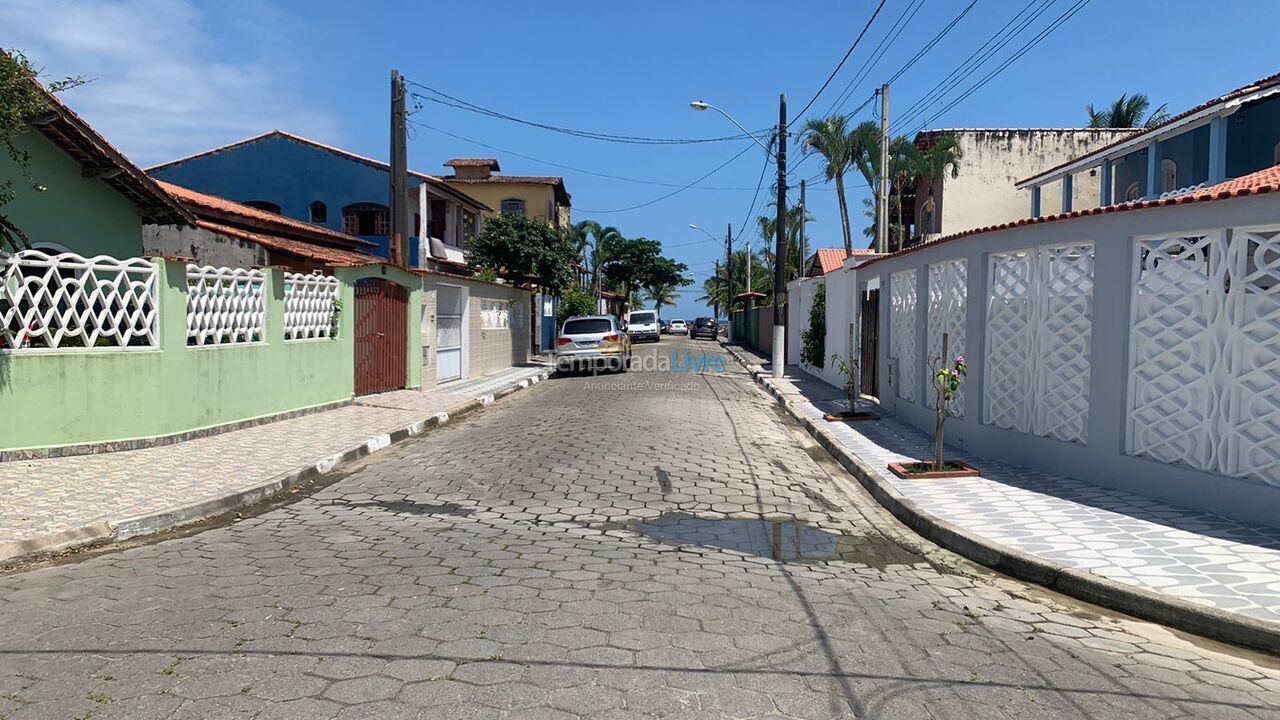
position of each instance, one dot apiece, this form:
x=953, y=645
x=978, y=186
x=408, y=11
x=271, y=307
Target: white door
x=450, y=302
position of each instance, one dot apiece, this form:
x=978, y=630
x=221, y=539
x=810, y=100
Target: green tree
x=813, y=348
x=21, y=99
x=524, y=249
x=904, y=160
x=768, y=226
x=575, y=301
x=942, y=157
x=831, y=138
x=659, y=295
x=1127, y=112
x=601, y=237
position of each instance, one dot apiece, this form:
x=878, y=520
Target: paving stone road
x=655, y=544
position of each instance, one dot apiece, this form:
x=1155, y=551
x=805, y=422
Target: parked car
x=593, y=341
x=643, y=325
x=704, y=327
x=666, y=328
x=679, y=327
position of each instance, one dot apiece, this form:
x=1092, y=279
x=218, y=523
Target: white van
x=643, y=325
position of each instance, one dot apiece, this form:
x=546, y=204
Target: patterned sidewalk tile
x=1189, y=554
x=55, y=494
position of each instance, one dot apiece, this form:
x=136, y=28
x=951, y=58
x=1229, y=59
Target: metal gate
x=382, y=318
x=450, y=305
x=868, y=322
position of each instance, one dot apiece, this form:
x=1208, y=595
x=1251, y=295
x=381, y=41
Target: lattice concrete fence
x=110, y=353
x=1136, y=349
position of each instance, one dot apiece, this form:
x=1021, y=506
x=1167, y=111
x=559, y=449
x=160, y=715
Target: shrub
x=814, y=340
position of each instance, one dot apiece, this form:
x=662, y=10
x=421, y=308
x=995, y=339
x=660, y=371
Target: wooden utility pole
x=780, y=251
x=882, y=192
x=715, y=299
x=399, y=250
x=804, y=224
x=728, y=261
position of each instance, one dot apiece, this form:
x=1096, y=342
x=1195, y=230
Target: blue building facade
x=315, y=183
x=1229, y=137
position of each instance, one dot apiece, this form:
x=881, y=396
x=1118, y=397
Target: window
x=366, y=219
x=1132, y=193
x=319, y=213
x=468, y=227
x=263, y=205
x=436, y=222
x=1168, y=175
x=514, y=206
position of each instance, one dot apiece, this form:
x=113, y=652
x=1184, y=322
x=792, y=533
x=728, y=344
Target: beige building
x=995, y=160
x=534, y=196
x=471, y=328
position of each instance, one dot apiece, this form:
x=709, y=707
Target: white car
x=679, y=327
x=644, y=325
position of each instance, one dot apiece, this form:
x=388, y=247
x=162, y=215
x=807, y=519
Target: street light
x=780, y=254
x=700, y=105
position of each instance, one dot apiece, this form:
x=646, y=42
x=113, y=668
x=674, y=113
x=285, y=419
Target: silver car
x=593, y=341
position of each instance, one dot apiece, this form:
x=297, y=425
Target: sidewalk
x=57, y=504
x=1195, y=570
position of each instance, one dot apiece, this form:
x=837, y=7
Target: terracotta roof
x=1258, y=183
x=562, y=195
x=223, y=209
x=740, y=296
x=830, y=259
x=98, y=157
x=1263, y=84
x=297, y=248
x=491, y=163
x=430, y=179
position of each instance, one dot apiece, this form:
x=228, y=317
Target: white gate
x=451, y=301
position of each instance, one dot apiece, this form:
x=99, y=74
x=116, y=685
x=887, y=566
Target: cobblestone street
x=650, y=544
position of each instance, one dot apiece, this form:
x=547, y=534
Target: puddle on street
x=408, y=507
x=781, y=540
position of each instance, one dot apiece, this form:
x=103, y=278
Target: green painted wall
x=85, y=215
x=73, y=397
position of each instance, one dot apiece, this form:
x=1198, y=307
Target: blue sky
x=175, y=76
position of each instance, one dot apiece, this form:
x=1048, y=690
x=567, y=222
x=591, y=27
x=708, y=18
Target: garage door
x=450, y=302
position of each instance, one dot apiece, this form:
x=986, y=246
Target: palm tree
x=830, y=137
x=1127, y=112
x=600, y=236
x=660, y=295
x=943, y=156
x=769, y=229
x=903, y=162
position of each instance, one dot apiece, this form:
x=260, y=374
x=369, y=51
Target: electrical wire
x=899, y=25
x=461, y=104
x=839, y=65
x=677, y=191
x=1058, y=22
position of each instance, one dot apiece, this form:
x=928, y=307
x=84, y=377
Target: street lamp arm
x=700, y=105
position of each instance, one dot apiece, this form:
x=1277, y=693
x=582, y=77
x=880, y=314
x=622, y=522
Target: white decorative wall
x=58, y=301
x=948, y=296
x=1205, y=352
x=902, y=333
x=224, y=305
x=1039, y=333
x=495, y=314
x=309, y=303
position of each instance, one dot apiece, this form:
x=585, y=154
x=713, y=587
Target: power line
x=756, y=197
x=461, y=104
x=908, y=14
x=979, y=57
x=830, y=77
x=677, y=191
x=932, y=42
x=1058, y=22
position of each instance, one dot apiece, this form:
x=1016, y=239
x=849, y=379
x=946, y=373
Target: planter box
x=850, y=417
x=965, y=470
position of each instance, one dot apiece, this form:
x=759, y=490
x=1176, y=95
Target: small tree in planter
x=947, y=382
x=849, y=370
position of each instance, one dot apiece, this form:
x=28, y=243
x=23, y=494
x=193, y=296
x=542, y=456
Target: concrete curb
x=106, y=532
x=1174, y=612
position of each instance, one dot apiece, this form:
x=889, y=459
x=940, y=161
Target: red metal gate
x=382, y=317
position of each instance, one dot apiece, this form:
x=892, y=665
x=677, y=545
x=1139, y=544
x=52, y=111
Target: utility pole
x=399, y=248
x=804, y=224
x=882, y=192
x=728, y=260
x=715, y=301
x=780, y=252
